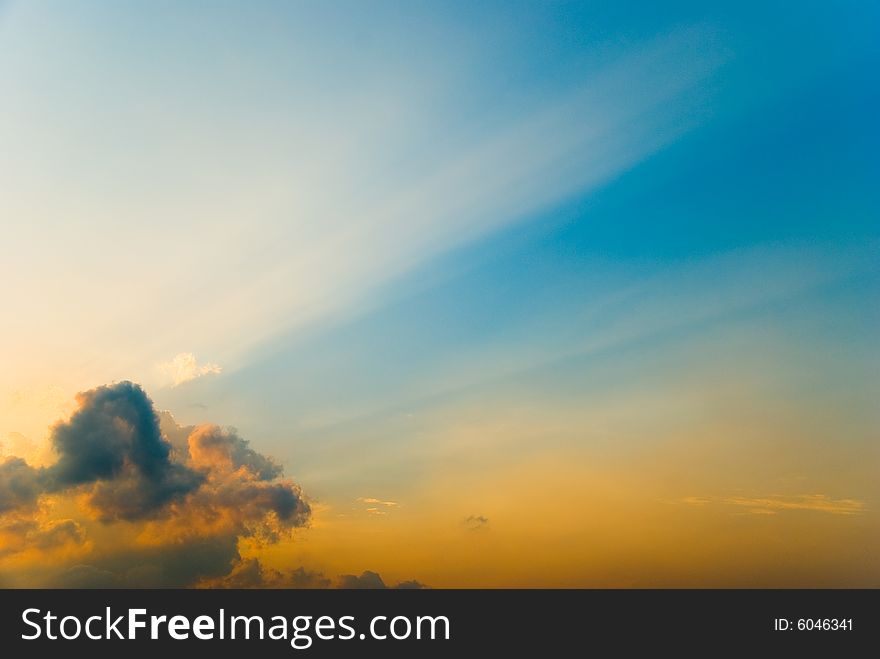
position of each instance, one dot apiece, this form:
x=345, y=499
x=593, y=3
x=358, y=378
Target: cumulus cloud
x=188, y=495
x=113, y=444
x=223, y=450
x=184, y=367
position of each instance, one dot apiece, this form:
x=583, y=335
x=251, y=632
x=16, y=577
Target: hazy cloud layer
x=252, y=573
x=773, y=504
x=20, y=534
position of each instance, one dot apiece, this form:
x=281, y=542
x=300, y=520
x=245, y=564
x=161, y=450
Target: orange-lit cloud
x=201, y=488
x=133, y=499
x=371, y=500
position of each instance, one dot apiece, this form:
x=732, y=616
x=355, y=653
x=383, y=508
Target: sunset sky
x=469, y=294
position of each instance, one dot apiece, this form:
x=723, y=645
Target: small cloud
x=476, y=522
x=371, y=500
x=773, y=504
x=184, y=367
x=368, y=580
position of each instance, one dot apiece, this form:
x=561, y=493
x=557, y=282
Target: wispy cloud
x=773, y=504
x=184, y=367
x=372, y=500
x=333, y=254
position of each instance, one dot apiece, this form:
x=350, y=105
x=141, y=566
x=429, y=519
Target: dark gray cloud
x=366, y=580
x=302, y=578
x=372, y=581
x=113, y=443
x=112, y=446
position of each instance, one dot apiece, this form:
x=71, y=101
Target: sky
x=460, y=294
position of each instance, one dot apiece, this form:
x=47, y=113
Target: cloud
x=372, y=581
x=476, y=522
x=773, y=504
x=20, y=534
x=184, y=367
x=367, y=580
x=160, y=504
x=187, y=495
x=373, y=505
x=371, y=500
x=223, y=450
x=20, y=484
x=251, y=573
x=87, y=576
x=113, y=444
